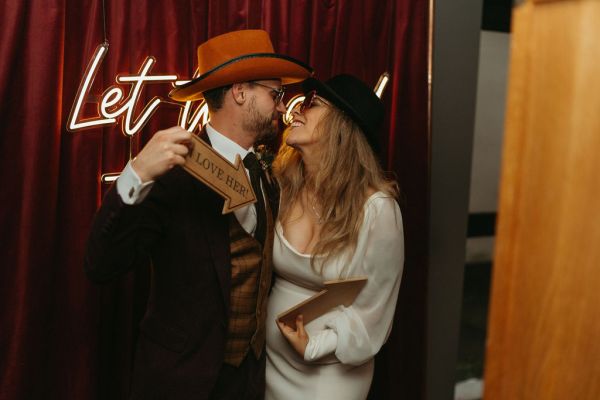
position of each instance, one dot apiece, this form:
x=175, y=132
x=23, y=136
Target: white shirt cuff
x=130, y=186
x=320, y=345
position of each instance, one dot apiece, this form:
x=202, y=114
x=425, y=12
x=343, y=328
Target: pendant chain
x=314, y=209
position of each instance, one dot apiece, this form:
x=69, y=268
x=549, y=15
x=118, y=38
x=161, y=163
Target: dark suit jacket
x=180, y=228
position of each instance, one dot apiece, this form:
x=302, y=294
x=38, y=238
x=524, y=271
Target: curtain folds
x=64, y=338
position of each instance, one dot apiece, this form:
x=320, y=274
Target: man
x=202, y=336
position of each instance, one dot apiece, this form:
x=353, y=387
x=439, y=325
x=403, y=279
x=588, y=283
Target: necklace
x=312, y=202
x=314, y=210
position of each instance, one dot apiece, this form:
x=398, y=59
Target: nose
x=280, y=107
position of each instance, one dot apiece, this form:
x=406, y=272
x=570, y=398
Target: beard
x=264, y=126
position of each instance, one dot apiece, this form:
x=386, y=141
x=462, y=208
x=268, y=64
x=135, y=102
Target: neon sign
x=114, y=105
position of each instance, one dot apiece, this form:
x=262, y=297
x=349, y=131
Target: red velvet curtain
x=60, y=336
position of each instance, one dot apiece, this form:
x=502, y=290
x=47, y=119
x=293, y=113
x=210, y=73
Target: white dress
x=338, y=362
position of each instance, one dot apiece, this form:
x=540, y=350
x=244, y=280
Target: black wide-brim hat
x=356, y=99
x=239, y=56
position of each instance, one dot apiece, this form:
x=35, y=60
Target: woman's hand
x=297, y=338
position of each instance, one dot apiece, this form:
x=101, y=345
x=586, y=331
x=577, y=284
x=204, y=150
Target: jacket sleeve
x=122, y=235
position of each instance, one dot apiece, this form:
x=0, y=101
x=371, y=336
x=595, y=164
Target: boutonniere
x=265, y=157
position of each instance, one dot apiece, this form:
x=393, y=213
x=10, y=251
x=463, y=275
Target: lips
x=296, y=124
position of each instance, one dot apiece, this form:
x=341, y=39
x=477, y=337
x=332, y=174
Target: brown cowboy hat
x=239, y=56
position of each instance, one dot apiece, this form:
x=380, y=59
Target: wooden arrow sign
x=335, y=293
x=229, y=181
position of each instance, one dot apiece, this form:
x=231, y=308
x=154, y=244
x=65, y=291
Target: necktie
x=251, y=162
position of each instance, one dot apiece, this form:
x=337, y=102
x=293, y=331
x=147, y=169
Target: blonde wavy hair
x=348, y=172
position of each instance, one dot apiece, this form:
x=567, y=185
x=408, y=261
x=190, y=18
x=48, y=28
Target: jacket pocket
x=163, y=334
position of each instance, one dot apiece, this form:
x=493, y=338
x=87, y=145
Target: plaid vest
x=251, y=267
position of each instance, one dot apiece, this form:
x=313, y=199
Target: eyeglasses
x=278, y=92
x=308, y=101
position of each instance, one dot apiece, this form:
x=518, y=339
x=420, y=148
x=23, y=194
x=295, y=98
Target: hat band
x=241, y=58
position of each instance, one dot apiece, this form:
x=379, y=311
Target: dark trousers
x=246, y=382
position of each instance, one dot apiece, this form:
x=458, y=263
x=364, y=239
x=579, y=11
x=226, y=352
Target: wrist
x=140, y=171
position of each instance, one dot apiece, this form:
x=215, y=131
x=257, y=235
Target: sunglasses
x=308, y=101
x=278, y=93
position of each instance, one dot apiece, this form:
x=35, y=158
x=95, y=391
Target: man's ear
x=238, y=91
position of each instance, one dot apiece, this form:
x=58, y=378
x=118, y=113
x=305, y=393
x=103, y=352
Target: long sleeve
x=122, y=235
x=130, y=186
x=356, y=333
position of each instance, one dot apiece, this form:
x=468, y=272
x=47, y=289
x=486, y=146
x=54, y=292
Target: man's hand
x=297, y=338
x=164, y=150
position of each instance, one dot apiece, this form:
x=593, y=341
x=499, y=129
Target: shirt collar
x=225, y=146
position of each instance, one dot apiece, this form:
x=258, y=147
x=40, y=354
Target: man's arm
x=126, y=226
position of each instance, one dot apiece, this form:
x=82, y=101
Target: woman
x=338, y=219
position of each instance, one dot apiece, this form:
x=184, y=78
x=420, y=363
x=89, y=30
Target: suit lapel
x=271, y=191
x=216, y=226
x=216, y=230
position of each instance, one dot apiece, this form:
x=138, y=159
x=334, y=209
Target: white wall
x=489, y=121
x=488, y=136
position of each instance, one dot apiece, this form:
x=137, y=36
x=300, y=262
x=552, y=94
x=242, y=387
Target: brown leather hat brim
x=249, y=67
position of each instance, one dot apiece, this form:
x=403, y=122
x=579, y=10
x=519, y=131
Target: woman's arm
x=356, y=333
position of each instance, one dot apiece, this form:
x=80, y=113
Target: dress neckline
x=279, y=227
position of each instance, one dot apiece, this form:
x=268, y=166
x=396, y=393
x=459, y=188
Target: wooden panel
x=545, y=1
x=544, y=330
